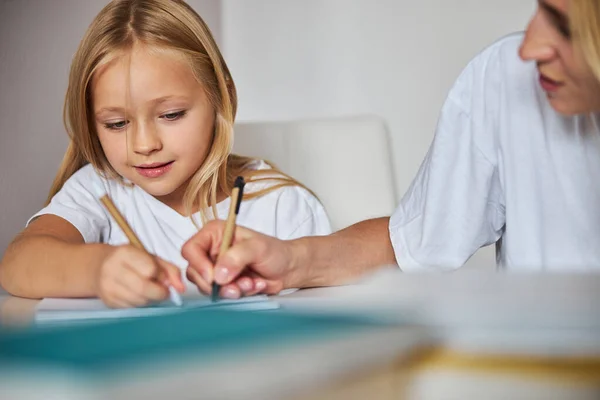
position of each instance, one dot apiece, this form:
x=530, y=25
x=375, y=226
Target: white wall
x=395, y=58
x=295, y=59
x=37, y=41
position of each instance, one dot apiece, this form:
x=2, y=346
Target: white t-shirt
x=504, y=167
x=286, y=213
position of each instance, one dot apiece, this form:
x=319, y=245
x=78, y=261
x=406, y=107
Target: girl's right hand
x=130, y=277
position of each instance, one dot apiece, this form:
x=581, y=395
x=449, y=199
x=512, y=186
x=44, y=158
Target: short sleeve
x=300, y=214
x=455, y=204
x=78, y=203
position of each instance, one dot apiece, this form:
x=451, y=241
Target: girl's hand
x=130, y=277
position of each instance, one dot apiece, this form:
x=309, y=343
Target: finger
x=266, y=286
x=143, y=286
x=258, y=284
x=144, y=264
x=237, y=259
x=195, y=278
x=245, y=284
x=199, y=251
x=203, y=248
x=272, y=287
x=155, y=291
x=112, y=300
x=230, y=291
x=126, y=296
x=170, y=274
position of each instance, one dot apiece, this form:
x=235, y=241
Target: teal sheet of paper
x=199, y=333
x=56, y=310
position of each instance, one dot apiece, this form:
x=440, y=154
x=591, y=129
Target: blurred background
x=290, y=59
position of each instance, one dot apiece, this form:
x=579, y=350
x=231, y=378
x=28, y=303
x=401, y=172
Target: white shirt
x=286, y=213
x=504, y=167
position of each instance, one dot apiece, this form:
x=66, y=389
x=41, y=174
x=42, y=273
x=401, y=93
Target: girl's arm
x=50, y=259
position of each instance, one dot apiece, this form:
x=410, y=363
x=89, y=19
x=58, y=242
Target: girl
x=149, y=109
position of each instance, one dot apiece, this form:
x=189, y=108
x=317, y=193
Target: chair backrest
x=346, y=161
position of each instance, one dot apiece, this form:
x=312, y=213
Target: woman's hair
x=172, y=25
x=584, y=20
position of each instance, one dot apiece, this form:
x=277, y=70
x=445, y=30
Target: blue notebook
x=203, y=334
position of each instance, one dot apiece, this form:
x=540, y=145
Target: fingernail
x=260, y=285
x=221, y=275
x=207, y=275
x=245, y=285
x=175, y=297
x=230, y=293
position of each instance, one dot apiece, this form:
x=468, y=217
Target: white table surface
x=555, y=316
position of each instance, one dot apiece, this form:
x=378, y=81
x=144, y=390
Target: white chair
x=346, y=161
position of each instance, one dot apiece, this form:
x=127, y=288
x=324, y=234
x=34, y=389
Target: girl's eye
x=116, y=126
x=173, y=116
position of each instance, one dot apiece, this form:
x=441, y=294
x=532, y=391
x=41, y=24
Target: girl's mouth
x=154, y=170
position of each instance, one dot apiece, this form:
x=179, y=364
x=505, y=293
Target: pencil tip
x=214, y=296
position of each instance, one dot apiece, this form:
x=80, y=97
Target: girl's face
x=154, y=121
x=568, y=81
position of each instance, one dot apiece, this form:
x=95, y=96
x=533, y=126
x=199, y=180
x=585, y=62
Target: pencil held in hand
x=234, y=209
x=174, y=296
x=114, y=212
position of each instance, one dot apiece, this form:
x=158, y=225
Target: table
x=471, y=335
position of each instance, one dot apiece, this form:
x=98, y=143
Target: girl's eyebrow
x=108, y=110
x=155, y=102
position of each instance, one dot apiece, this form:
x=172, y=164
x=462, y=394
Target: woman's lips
x=548, y=84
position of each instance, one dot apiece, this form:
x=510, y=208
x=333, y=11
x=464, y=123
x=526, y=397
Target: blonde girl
x=149, y=110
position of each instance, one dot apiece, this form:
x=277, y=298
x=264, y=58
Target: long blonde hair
x=584, y=21
x=170, y=24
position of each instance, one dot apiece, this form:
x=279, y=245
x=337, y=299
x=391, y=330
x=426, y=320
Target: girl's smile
x=154, y=170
